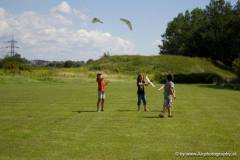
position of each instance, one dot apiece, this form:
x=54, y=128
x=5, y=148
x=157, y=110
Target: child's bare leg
x=102, y=105
x=145, y=108
x=164, y=109
x=98, y=103
x=161, y=115
x=169, y=112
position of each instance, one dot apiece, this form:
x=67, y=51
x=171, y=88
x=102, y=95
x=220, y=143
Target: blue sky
x=149, y=19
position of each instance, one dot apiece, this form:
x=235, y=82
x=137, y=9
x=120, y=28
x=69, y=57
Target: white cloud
x=66, y=15
x=3, y=20
x=81, y=15
x=53, y=35
x=62, y=8
x=3, y=26
x=3, y=13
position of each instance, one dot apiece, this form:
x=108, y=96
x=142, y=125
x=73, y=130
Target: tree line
x=212, y=32
x=17, y=63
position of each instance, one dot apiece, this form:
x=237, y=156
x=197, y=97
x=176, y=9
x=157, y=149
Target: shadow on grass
x=152, y=117
x=126, y=110
x=154, y=110
x=84, y=111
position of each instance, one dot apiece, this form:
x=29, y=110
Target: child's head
x=170, y=77
x=140, y=77
x=99, y=76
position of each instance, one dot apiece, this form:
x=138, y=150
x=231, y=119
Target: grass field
x=57, y=120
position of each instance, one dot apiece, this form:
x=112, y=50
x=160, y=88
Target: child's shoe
x=161, y=115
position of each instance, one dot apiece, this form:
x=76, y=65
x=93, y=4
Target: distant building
x=40, y=62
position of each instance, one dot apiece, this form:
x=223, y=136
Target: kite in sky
x=96, y=20
x=127, y=22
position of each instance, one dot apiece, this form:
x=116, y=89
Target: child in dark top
x=141, y=92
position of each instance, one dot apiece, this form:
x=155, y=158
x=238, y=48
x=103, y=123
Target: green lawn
x=57, y=120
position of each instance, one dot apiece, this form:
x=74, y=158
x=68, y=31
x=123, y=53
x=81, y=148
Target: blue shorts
x=141, y=97
x=101, y=95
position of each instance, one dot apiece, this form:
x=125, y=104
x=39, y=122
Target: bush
x=56, y=64
x=65, y=64
x=25, y=67
x=236, y=66
x=68, y=64
x=15, y=64
x=191, y=78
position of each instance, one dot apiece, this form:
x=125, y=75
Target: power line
x=12, y=46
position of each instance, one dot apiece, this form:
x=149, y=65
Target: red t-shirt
x=101, y=85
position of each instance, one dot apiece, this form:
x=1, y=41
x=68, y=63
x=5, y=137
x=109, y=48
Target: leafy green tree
x=15, y=63
x=236, y=66
x=211, y=32
x=68, y=64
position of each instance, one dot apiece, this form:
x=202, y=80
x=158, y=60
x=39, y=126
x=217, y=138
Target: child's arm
x=161, y=88
x=146, y=83
x=173, y=92
x=107, y=82
x=142, y=83
x=139, y=83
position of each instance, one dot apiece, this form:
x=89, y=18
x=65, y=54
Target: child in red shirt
x=101, y=92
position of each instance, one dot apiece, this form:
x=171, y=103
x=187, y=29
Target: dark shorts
x=141, y=98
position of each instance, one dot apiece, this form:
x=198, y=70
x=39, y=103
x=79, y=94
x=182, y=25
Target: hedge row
x=191, y=78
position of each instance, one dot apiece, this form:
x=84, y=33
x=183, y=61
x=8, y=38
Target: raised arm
x=142, y=83
x=161, y=88
x=146, y=83
x=107, y=82
x=172, y=90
